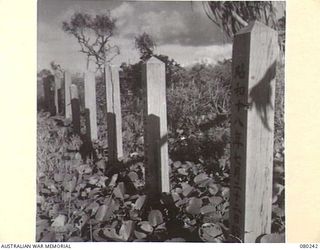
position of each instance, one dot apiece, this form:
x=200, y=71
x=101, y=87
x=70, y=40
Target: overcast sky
x=181, y=30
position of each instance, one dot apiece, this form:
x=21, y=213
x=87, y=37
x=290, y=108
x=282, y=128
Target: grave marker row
x=252, y=125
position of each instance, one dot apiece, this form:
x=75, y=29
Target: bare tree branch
x=101, y=28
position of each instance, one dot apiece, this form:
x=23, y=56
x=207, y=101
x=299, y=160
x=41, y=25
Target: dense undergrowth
x=82, y=198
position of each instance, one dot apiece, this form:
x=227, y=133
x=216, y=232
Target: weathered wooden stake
x=67, y=100
x=75, y=107
x=48, y=86
x=253, y=85
x=114, y=124
x=57, y=93
x=155, y=127
x=90, y=104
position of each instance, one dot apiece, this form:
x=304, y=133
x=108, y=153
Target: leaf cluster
x=146, y=45
x=231, y=16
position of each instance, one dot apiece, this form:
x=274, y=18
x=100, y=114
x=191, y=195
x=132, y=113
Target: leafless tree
x=93, y=33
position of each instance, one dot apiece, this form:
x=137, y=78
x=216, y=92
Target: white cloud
x=162, y=25
x=167, y=23
x=186, y=55
x=122, y=11
x=47, y=33
x=124, y=15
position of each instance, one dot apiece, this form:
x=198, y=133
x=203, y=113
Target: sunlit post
x=155, y=126
x=254, y=58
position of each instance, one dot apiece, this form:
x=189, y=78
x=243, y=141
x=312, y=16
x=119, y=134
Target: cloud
x=183, y=23
x=180, y=29
x=123, y=10
x=186, y=55
x=125, y=20
x=47, y=33
x=163, y=26
x=167, y=22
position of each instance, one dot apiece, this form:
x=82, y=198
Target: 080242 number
x=308, y=245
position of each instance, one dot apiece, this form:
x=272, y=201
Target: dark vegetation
x=87, y=199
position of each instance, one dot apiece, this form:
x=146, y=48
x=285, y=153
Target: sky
x=181, y=31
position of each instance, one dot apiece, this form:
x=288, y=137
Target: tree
x=43, y=73
x=231, y=16
x=57, y=70
x=146, y=45
x=93, y=34
x=55, y=66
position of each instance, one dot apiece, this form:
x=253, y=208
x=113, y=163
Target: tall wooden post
x=57, y=92
x=254, y=58
x=155, y=127
x=75, y=107
x=90, y=105
x=114, y=124
x=48, y=86
x=67, y=97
